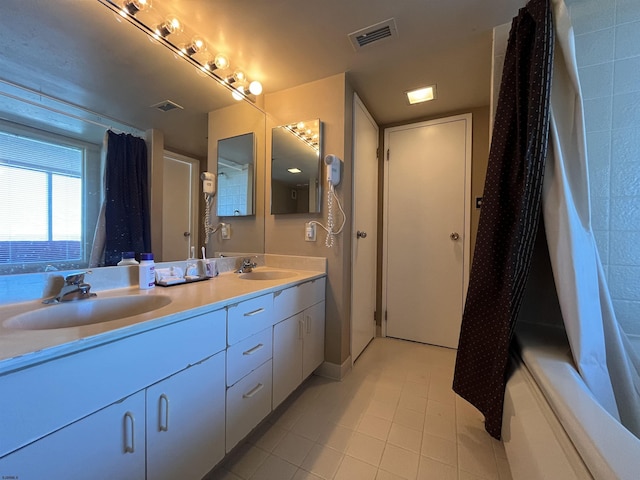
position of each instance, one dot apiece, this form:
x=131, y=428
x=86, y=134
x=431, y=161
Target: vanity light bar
x=164, y=30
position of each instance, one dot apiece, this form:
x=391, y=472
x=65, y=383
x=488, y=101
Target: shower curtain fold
x=509, y=215
x=127, y=215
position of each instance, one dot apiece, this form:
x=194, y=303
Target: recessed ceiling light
x=422, y=94
x=294, y=170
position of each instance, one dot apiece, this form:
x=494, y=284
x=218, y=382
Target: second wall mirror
x=296, y=150
x=236, y=176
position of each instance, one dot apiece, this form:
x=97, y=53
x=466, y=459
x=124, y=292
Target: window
x=43, y=184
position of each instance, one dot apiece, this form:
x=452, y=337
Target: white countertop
x=21, y=348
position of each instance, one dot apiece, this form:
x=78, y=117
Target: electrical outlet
x=310, y=232
x=225, y=231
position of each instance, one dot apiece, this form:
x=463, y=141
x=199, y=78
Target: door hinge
x=377, y=152
x=388, y=154
x=386, y=315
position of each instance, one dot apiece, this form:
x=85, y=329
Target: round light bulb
x=221, y=61
x=255, y=87
x=194, y=47
x=239, y=76
x=131, y=7
x=300, y=125
x=238, y=93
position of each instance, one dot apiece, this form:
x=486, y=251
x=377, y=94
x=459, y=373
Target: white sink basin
x=267, y=275
x=86, y=312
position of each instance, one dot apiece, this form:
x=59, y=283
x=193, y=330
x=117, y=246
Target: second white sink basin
x=86, y=312
x=267, y=275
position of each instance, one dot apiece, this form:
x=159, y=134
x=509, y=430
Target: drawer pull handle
x=255, y=312
x=253, y=391
x=253, y=350
x=129, y=440
x=163, y=426
x=300, y=329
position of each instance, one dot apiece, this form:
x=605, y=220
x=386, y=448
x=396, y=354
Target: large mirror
x=295, y=167
x=78, y=71
x=236, y=176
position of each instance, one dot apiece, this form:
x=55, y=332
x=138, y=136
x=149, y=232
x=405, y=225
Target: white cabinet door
x=185, y=422
x=105, y=445
x=313, y=344
x=287, y=357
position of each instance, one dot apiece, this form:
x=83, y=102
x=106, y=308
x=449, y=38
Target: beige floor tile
x=504, y=471
x=375, y=427
x=430, y=469
x=304, y=475
x=293, y=448
x=409, y=418
x=440, y=427
x=354, y=469
x=444, y=451
x=322, y=461
x=365, y=448
x=336, y=437
x=384, y=475
x=222, y=474
x=400, y=461
x=311, y=425
x=381, y=409
x=405, y=437
x=268, y=436
x=274, y=467
x=477, y=458
x=410, y=401
x=417, y=389
x=444, y=410
x=244, y=461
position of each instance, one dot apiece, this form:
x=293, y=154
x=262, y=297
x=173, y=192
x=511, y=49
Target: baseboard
x=333, y=370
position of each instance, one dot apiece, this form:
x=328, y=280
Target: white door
x=427, y=221
x=179, y=206
x=365, y=211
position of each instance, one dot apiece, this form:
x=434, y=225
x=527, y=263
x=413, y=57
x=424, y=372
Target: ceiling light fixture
x=194, y=50
x=422, y=94
x=294, y=170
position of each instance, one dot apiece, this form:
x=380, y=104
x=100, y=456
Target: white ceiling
x=76, y=51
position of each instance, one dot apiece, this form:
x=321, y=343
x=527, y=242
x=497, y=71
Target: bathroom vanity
x=161, y=394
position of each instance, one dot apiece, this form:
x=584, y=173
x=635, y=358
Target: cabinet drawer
x=63, y=390
x=248, y=402
x=295, y=299
x=248, y=354
x=249, y=317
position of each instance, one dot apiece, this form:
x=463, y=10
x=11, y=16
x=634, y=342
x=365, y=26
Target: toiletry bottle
x=147, y=271
x=128, y=259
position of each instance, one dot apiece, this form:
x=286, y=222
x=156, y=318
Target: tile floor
x=393, y=417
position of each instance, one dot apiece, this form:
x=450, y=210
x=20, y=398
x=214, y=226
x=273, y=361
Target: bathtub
x=553, y=428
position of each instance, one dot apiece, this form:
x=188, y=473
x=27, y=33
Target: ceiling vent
x=375, y=33
x=167, y=106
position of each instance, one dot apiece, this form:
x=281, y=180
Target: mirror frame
x=240, y=152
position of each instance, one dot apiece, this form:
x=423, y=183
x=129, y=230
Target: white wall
x=607, y=35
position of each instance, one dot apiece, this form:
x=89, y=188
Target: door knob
x=454, y=236
x=187, y=234
x=360, y=234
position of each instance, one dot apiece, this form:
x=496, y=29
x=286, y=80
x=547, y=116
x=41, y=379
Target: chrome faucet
x=247, y=266
x=74, y=288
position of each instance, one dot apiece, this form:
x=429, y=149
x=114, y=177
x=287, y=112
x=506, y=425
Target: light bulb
x=221, y=61
x=169, y=26
x=131, y=7
x=255, y=87
x=300, y=125
x=239, y=76
x=238, y=93
x=194, y=47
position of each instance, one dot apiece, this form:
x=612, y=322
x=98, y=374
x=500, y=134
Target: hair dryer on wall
x=333, y=166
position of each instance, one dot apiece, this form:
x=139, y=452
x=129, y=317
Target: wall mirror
x=59, y=76
x=296, y=150
x=236, y=176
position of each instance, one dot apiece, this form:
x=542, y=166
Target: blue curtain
x=127, y=216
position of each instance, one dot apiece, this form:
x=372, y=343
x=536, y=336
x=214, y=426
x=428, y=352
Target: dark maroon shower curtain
x=509, y=216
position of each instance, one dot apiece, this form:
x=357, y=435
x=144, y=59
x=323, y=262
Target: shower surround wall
x=607, y=37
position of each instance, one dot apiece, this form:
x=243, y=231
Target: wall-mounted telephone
x=333, y=169
x=208, y=183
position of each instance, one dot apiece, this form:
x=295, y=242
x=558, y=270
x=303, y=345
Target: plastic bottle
x=147, y=271
x=128, y=259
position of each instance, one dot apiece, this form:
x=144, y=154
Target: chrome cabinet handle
x=163, y=426
x=360, y=234
x=253, y=391
x=255, y=312
x=253, y=350
x=187, y=234
x=454, y=236
x=129, y=440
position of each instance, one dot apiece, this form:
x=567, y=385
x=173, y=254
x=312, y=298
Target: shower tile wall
x=232, y=192
x=607, y=36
